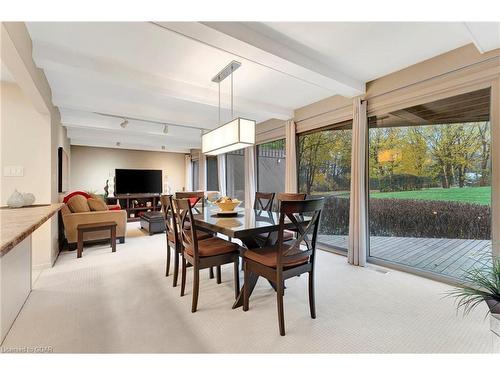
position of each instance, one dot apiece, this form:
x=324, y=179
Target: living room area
x=253, y=187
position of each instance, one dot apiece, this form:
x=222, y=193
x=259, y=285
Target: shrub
x=412, y=218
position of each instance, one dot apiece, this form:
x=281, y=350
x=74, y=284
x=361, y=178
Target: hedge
x=412, y=218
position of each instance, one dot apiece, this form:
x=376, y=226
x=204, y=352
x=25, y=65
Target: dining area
x=275, y=240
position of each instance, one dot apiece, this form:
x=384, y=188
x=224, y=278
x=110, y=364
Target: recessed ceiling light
x=124, y=123
x=165, y=129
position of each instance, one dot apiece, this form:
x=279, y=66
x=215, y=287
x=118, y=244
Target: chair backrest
x=305, y=216
x=186, y=225
x=289, y=197
x=263, y=201
x=167, y=207
x=193, y=196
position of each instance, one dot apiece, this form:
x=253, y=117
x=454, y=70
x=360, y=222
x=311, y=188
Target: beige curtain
x=249, y=176
x=188, y=182
x=356, y=253
x=291, y=158
x=202, y=172
x=221, y=171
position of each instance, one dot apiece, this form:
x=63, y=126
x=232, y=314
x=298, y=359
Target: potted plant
x=480, y=284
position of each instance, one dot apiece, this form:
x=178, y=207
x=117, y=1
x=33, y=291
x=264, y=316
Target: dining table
x=245, y=225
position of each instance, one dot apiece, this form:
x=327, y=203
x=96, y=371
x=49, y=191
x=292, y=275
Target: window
x=430, y=185
x=324, y=165
x=195, y=168
x=271, y=166
x=212, y=174
x=235, y=174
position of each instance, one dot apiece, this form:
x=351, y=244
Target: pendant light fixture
x=234, y=135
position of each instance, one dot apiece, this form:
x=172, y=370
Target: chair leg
x=246, y=287
x=168, y=260
x=211, y=272
x=176, y=267
x=196, y=288
x=281, y=315
x=236, y=278
x=183, y=276
x=312, y=304
x=218, y=274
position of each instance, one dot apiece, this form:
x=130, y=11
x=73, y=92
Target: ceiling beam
x=55, y=59
x=246, y=43
x=485, y=35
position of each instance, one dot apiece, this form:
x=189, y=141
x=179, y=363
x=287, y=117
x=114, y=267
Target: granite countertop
x=18, y=223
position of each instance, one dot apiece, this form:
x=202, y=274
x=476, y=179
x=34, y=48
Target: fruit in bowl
x=227, y=204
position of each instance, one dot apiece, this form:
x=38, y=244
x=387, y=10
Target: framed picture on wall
x=62, y=170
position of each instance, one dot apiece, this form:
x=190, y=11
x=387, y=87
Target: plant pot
x=493, y=305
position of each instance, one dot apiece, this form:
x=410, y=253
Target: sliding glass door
x=235, y=174
x=271, y=160
x=430, y=185
x=324, y=166
x=212, y=174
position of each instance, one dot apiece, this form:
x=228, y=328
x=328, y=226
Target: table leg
x=252, y=281
x=79, y=249
x=113, y=239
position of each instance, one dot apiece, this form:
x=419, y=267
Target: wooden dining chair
x=194, y=197
x=173, y=236
x=285, y=260
x=201, y=254
x=263, y=201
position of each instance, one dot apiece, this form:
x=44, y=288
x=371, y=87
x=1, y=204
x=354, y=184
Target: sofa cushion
x=96, y=204
x=69, y=196
x=78, y=203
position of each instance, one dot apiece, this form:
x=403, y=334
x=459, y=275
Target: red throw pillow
x=67, y=197
x=192, y=201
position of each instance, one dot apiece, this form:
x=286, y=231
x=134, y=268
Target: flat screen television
x=135, y=181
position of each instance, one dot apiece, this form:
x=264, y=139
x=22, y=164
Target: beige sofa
x=72, y=219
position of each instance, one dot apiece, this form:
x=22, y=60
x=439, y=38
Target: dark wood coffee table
x=94, y=227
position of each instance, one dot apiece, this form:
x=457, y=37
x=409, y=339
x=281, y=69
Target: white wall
x=91, y=166
x=26, y=141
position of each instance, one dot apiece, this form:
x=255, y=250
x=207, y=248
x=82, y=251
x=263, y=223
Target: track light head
x=118, y=144
x=165, y=129
x=124, y=123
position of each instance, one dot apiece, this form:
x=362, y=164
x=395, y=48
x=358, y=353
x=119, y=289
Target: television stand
x=138, y=204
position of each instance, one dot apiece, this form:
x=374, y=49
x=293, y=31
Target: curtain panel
x=202, y=172
x=221, y=170
x=291, y=158
x=357, y=249
x=249, y=176
x=188, y=182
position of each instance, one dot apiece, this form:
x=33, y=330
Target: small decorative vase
x=28, y=199
x=15, y=200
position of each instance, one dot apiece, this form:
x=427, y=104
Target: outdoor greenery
x=412, y=218
x=479, y=195
x=425, y=181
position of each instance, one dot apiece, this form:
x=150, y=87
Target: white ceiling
x=162, y=72
x=5, y=75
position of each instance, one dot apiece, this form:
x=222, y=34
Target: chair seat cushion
x=268, y=256
x=214, y=246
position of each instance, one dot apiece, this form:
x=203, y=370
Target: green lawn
x=479, y=195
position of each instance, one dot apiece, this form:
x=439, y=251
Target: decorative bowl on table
x=227, y=206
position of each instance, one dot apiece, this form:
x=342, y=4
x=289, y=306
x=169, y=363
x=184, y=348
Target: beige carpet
x=122, y=302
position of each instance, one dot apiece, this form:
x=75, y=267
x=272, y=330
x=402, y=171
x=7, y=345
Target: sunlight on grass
x=479, y=195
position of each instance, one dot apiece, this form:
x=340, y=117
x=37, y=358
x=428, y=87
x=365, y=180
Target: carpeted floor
x=122, y=302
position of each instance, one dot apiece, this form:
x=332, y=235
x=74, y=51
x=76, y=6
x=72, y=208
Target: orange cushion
x=268, y=256
x=97, y=204
x=214, y=246
x=78, y=203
